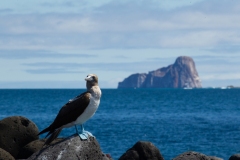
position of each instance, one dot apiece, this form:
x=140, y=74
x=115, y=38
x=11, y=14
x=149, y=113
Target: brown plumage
x=71, y=111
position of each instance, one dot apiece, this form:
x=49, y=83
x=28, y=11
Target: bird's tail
x=53, y=136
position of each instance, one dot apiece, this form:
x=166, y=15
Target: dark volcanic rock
x=15, y=133
x=33, y=147
x=235, y=157
x=214, y=158
x=71, y=148
x=142, y=151
x=4, y=155
x=191, y=155
x=181, y=74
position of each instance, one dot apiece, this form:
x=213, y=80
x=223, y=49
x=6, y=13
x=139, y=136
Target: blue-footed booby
x=76, y=111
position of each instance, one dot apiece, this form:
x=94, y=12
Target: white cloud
x=56, y=32
x=124, y=25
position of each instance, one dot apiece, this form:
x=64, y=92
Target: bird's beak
x=88, y=79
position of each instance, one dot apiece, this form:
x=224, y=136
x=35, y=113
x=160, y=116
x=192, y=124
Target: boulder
x=235, y=157
x=191, y=155
x=181, y=74
x=4, y=155
x=71, y=148
x=142, y=151
x=15, y=133
x=214, y=158
x=33, y=147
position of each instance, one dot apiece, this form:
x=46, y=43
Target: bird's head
x=92, y=80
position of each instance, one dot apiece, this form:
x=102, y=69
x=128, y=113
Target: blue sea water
x=174, y=120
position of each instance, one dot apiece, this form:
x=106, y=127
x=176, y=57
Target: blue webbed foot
x=90, y=134
x=83, y=136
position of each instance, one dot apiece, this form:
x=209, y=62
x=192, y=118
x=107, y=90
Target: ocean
x=174, y=120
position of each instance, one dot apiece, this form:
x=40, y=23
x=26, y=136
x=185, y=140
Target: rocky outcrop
x=142, y=151
x=15, y=133
x=181, y=74
x=4, y=155
x=192, y=155
x=71, y=148
x=33, y=147
x=195, y=156
x=235, y=157
x=214, y=158
x=19, y=140
x=133, y=81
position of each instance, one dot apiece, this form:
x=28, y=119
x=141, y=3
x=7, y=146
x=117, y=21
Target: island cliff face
x=181, y=74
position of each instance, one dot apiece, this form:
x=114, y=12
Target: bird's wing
x=71, y=110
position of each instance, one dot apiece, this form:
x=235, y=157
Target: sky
x=55, y=44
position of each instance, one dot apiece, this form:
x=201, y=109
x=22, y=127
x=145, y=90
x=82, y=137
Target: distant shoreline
x=228, y=87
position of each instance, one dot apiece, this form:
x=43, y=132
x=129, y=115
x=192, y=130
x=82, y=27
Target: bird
x=76, y=111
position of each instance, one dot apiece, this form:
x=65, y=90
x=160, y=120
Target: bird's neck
x=89, y=85
x=95, y=91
